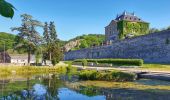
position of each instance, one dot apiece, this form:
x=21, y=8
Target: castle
x=130, y=40
x=126, y=25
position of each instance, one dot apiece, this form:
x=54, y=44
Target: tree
x=53, y=51
x=53, y=32
x=83, y=44
x=6, y=9
x=168, y=28
x=153, y=30
x=28, y=38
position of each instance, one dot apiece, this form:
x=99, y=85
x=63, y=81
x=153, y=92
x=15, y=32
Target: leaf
x=6, y=9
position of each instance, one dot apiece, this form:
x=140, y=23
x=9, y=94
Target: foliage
x=88, y=41
x=135, y=28
x=84, y=62
x=132, y=62
x=8, y=39
x=106, y=76
x=38, y=55
x=52, y=44
x=71, y=70
x=83, y=44
x=31, y=70
x=154, y=30
x=28, y=38
x=6, y=9
x=56, y=53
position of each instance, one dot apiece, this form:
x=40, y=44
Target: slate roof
x=21, y=56
x=129, y=17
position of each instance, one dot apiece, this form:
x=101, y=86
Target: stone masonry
x=152, y=48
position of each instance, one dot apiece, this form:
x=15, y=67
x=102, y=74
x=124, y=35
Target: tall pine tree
x=53, y=51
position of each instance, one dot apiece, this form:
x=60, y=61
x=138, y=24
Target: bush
x=103, y=76
x=131, y=62
x=84, y=62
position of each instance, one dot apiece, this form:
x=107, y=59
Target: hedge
x=115, y=76
x=132, y=62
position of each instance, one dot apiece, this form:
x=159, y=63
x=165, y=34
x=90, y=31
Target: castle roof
x=129, y=17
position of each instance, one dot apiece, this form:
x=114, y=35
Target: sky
x=77, y=17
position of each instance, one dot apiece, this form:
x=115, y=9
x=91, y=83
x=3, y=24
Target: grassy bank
x=156, y=67
x=145, y=85
x=4, y=71
x=106, y=76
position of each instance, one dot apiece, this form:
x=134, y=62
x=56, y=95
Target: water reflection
x=58, y=87
x=43, y=87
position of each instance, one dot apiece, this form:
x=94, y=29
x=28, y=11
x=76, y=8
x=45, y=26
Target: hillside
x=8, y=39
x=84, y=41
x=79, y=42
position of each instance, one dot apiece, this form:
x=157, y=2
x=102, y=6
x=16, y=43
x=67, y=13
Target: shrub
x=84, y=62
x=106, y=76
x=132, y=62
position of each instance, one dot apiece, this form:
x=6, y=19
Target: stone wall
x=153, y=48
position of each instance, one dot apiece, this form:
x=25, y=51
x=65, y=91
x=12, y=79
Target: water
x=55, y=87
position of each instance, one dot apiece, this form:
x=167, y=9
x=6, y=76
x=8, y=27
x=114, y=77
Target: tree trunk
x=50, y=55
x=29, y=56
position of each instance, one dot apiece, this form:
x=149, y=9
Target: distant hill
x=84, y=41
x=8, y=39
x=79, y=42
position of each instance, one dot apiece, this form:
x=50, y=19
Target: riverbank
x=146, y=85
x=83, y=74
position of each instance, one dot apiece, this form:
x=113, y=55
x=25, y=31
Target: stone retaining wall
x=153, y=48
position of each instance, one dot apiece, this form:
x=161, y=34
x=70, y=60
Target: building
x=126, y=25
x=21, y=59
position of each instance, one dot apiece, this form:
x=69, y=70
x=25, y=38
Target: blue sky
x=77, y=17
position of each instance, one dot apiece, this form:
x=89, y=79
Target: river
x=61, y=87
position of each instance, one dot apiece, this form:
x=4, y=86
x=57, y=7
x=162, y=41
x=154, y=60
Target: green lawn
x=156, y=67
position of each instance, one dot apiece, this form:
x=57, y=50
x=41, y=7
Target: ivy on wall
x=134, y=28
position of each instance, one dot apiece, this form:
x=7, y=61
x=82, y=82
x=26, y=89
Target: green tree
x=38, y=55
x=6, y=9
x=83, y=44
x=53, y=51
x=52, y=32
x=28, y=38
x=153, y=30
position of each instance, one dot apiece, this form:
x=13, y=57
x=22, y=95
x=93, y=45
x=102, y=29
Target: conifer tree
x=28, y=38
x=53, y=51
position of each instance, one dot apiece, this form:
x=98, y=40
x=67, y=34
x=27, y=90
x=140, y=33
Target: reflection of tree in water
x=119, y=93
x=53, y=84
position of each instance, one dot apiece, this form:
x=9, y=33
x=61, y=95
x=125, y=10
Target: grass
x=156, y=67
x=5, y=71
x=137, y=85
